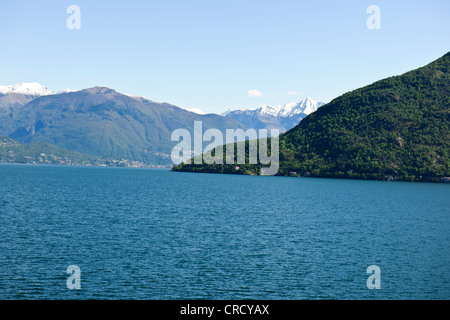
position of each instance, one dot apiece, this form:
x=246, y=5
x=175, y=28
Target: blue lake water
x=156, y=234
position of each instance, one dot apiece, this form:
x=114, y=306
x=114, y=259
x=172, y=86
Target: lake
x=156, y=234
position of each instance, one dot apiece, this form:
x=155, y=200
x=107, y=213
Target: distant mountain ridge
x=281, y=117
x=101, y=122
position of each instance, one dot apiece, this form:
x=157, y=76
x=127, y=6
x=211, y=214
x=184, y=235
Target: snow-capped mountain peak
x=270, y=110
x=31, y=88
x=195, y=110
x=67, y=90
x=227, y=112
x=282, y=117
x=306, y=106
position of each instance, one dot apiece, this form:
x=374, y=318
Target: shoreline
x=86, y=166
x=397, y=179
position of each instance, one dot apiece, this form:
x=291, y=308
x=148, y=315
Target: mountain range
x=99, y=122
x=281, y=117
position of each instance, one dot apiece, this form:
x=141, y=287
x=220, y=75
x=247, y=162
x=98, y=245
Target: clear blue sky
x=208, y=54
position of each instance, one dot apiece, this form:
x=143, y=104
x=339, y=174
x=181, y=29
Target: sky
x=216, y=55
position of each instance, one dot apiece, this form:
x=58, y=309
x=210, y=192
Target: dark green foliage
x=396, y=127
